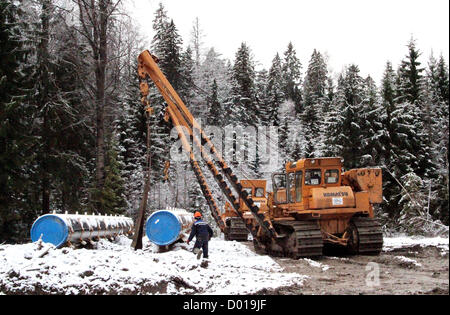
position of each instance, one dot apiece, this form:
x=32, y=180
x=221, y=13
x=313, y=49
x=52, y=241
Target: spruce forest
x=73, y=132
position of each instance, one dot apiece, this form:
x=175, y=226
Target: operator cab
x=302, y=176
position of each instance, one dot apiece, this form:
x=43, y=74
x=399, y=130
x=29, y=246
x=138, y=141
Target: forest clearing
x=407, y=266
x=120, y=144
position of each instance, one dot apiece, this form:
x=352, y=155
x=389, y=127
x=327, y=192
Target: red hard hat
x=197, y=215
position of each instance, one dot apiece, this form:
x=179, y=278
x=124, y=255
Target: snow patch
x=114, y=268
x=408, y=261
x=316, y=264
x=338, y=258
x=392, y=243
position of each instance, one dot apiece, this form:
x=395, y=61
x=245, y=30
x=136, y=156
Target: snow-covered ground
x=392, y=243
x=408, y=261
x=316, y=264
x=115, y=268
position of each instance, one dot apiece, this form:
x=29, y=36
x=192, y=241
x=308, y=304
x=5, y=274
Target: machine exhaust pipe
x=62, y=229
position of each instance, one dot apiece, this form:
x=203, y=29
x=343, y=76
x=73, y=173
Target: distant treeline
x=73, y=130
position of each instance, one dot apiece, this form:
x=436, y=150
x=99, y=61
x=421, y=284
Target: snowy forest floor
x=406, y=266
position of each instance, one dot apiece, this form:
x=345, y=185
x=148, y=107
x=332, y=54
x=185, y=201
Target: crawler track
x=304, y=239
x=236, y=230
x=370, y=236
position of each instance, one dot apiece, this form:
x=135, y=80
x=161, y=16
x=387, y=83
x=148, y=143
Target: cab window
x=249, y=191
x=313, y=177
x=259, y=192
x=291, y=190
x=298, y=186
x=331, y=176
x=279, y=188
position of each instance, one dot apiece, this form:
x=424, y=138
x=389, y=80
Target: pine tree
x=171, y=56
x=56, y=94
x=167, y=46
x=132, y=137
x=411, y=87
x=262, y=97
x=437, y=98
x=315, y=83
x=443, y=141
x=186, y=89
x=329, y=93
x=442, y=79
x=345, y=124
x=160, y=25
x=15, y=118
x=314, y=99
x=284, y=145
x=401, y=138
x=245, y=109
x=215, y=108
x=372, y=125
x=257, y=148
x=73, y=148
x=411, y=75
x=412, y=203
x=333, y=121
x=275, y=93
x=113, y=195
x=388, y=149
x=292, y=77
x=213, y=68
x=388, y=92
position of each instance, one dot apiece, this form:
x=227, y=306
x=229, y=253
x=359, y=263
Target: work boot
x=199, y=253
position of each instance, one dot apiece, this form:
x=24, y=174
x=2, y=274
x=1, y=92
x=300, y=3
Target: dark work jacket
x=201, y=230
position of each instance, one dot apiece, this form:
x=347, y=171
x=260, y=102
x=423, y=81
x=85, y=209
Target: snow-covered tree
x=245, y=107
x=292, y=77
x=411, y=98
x=314, y=99
x=275, y=94
x=215, y=108
x=15, y=119
x=261, y=84
x=344, y=135
x=372, y=125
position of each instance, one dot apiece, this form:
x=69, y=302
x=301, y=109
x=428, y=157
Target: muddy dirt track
x=402, y=271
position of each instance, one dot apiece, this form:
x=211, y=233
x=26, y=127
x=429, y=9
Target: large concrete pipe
x=168, y=226
x=60, y=229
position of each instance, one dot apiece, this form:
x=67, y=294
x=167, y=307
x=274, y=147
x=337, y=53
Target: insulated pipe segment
x=165, y=227
x=59, y=229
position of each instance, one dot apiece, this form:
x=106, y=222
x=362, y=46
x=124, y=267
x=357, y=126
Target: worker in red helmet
x=203, y=233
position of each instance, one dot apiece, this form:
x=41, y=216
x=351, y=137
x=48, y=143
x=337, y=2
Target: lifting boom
x=183, y=121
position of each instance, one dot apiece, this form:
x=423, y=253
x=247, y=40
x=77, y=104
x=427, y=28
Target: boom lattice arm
x=183, y=120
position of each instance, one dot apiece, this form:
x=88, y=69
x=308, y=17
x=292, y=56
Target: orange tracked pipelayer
x=313, y=201
x=235, y=227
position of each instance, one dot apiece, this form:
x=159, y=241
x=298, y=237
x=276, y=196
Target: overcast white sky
x=365, y=32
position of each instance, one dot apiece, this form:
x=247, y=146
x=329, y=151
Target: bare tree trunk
x=185, y=187
x=139, y=227
x=197, y=36
x=177, y=188
x=95, y=16
x=159, y=195
x=44, y=63
x=100, y=76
